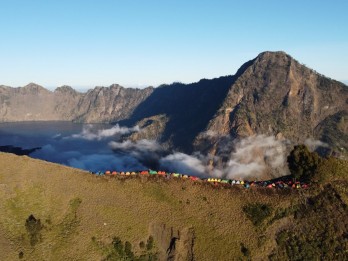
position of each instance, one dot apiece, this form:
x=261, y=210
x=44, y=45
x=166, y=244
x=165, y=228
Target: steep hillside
x=110, y=104
x=52, y=212
x=188, y=109
x=278, y=96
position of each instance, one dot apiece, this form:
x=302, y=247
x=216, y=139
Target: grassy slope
x=75, y=206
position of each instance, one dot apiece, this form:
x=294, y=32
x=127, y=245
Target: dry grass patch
x=81, y=214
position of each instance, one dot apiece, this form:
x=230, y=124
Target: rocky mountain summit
x=272, y=94
x=276, y=95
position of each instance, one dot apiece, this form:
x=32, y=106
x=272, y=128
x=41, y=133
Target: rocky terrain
x=34, y=103
x=272, y=94
x=276, y=95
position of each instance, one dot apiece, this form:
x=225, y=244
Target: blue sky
x=84, y=43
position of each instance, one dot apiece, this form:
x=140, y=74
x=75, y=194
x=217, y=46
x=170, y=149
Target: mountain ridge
x=272, y=94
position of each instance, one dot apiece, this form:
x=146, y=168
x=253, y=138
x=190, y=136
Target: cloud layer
x=90, y=133
x=94, y=147
x=250, y=157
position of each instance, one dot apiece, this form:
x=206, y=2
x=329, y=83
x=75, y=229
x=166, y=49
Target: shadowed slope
x=188, y=107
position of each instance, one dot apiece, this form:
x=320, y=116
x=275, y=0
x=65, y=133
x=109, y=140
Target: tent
x=193, y=178
x=153, y=172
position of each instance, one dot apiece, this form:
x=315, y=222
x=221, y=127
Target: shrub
x=302, y=163
x=149, y=244
x=120, y=251
x=118, y=245
x=245, y=251
x=128, y=250
x=257, y=212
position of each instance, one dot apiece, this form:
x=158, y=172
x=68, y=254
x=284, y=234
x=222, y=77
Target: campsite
x=280, y=183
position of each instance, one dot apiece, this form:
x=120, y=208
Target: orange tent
x=144, y=172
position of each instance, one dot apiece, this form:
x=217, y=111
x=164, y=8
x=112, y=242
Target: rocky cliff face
x=276, y=95
x=272, y=95
x=31, y=102
x=109, y=104
x=101, y=104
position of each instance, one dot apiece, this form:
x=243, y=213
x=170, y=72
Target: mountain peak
x=34, y=88
x=65, y=88
x=33, y=85
x=273, y=53
x=115, y=85
x=273, y=56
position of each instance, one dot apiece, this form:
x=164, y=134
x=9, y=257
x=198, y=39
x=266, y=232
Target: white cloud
x=314, y=144
x=254, y=154
x=141, y=145
x=89, y=133
x=183, y=163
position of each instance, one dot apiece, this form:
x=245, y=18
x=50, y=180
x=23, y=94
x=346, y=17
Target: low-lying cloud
x=144, y=146
x=250, y=157
x=147, y=152
x=94, y=147
x=183, y=163
x=90, y=133
x=253, y=155
x=315, y=144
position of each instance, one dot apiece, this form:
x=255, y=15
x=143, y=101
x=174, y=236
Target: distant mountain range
x=272, y=94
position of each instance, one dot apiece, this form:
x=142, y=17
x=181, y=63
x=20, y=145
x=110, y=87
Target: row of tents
x=215, y=181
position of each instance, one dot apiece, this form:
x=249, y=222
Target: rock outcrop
x=173, y=244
